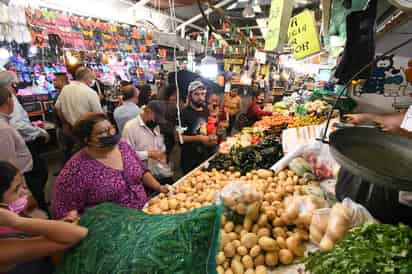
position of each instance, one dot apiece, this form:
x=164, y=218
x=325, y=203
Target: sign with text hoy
x=303, y=35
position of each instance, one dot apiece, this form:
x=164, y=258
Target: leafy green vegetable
x=127, y=241
x=245, y=159
x=371, y=249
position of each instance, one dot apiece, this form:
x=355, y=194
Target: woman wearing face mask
x=254, y=111
x=104, y=170
x=26, y=243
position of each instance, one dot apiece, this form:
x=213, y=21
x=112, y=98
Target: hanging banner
x=280, y=13
x=303, y=35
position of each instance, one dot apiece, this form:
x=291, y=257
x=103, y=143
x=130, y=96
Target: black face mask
x=151, y=124
x=199, y=104
x=109, y=141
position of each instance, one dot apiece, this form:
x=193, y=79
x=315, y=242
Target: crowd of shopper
x=122, y=159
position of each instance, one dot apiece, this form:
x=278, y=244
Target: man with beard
x=197, y=146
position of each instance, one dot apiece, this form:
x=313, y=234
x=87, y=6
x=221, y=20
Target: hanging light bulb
x=208, y=67
x=248, y=11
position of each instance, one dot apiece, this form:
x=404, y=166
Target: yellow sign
x=229, y=62
x=280, y=12
x=303, y=35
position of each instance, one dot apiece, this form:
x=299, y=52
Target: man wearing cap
x=198, y=146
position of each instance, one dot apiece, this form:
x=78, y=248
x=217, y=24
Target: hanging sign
x=280, y=13
x=303, y=35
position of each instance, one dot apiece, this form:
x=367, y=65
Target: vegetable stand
x=280, y=217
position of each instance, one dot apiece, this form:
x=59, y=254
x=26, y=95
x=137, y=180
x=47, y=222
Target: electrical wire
x=179, y=120
x=374, y=60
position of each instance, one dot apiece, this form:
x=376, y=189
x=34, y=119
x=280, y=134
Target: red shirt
x=255, y=113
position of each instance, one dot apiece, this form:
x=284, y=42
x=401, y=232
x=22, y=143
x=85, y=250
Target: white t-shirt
x=77, y=99
x=407, y=120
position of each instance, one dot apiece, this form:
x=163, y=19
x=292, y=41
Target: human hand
x=164, y=189
x=8, y=218
x=157, y=155
x=46, y=136
x=356, y=118
x=208, y=140
x=71, y=217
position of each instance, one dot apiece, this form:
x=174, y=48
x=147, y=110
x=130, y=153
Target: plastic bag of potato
x=242, y=198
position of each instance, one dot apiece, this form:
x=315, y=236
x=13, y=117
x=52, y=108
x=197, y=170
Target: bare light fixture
x=248, y=12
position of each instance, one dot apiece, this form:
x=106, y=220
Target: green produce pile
x=126, y=241
x=245, y=159
x=371, y=249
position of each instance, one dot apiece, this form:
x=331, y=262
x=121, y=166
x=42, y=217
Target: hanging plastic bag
x=338, y=220
x=241, y=199
x=159, y=169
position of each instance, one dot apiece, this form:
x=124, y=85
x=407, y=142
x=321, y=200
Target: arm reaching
x=50, y=237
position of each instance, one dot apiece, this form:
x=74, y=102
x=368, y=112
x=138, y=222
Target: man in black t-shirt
x=198, y=146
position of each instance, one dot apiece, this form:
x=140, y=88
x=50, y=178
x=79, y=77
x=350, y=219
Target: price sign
x=280, y=12
x=303, y=35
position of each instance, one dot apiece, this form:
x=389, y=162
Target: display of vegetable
x=374, y=248
x=123, y=240
x=245, y=159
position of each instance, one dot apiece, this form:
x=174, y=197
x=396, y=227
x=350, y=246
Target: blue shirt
x=125, y=113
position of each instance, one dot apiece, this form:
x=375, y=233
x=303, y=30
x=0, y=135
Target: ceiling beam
x=141, y=3
x=209, y=10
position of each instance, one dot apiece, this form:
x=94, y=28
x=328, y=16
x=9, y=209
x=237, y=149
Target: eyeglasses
x=106, y=132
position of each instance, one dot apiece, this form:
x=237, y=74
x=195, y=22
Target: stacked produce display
x=273, y=219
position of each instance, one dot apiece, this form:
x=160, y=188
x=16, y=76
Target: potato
x=271, y=214
x=220, y=258
x=294, y=245
x=223, y=220
x=242, y=251
x=164, y=205
x=259, y=260
x=263, y=232
x=229, y=226
x=173, y=204
x=268, y=244
x=220, y=270
x=237, y=257
x=237, y=267
x=263, y=220
x=229, y=250
x=236, y=243
x=264, y=173
x=279, y=232
x=247, y=224
x=282, y=175
x=226, y=265
x=278, y=222
x=255, y=251
x=271, y=259
x=285, y=256
x=224, y=238
x=281, y=242
x=249, y=240
x=233, y=236
x=156, y=210
x=241, y=208
x=229, y=271
x=261, y=269
x=249, y=271
x=238, y=228
x=243, y=233
x=255, y=228
x=247, y=261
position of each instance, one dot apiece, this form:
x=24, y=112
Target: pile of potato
x=200, y=188
x=271, y=239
